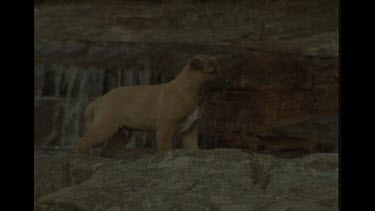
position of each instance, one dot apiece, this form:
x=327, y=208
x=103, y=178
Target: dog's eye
x=195, y=65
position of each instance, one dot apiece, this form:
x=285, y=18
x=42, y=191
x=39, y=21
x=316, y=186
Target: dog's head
x=205, y=71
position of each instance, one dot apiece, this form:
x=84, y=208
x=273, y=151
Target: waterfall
x=70, y=109
x=72, y=88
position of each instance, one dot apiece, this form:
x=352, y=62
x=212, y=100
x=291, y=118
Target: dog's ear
x=213, y=66
x=196, y=63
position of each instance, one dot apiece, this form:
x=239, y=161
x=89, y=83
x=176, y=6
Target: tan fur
x=166, y=108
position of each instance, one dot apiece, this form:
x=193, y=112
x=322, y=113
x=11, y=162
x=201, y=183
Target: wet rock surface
x=221, y=179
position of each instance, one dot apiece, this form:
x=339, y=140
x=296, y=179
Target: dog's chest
x=188, y=122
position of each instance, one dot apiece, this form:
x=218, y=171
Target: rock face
x=313, y=135
x=221, y=179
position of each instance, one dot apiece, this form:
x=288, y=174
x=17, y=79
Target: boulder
x=221, y=179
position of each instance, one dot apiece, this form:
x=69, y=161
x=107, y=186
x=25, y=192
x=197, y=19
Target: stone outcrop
x=309, y=136
x=221, y=179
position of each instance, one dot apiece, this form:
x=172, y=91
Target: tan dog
x=168, y=108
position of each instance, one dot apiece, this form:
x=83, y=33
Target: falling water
x=73, y=87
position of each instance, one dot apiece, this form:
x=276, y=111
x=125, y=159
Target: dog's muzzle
x=217, y=85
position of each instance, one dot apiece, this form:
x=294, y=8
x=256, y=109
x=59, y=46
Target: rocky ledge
x=221, y=179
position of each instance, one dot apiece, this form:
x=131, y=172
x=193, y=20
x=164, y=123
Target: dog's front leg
x=190, y=138
x=164, y=136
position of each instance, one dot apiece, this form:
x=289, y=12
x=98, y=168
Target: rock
x=310, y=27
x=323, y=131
x=222, y=179
x=313, y=135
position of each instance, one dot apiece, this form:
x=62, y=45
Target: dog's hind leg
x=115, y=143
x=99, y=132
